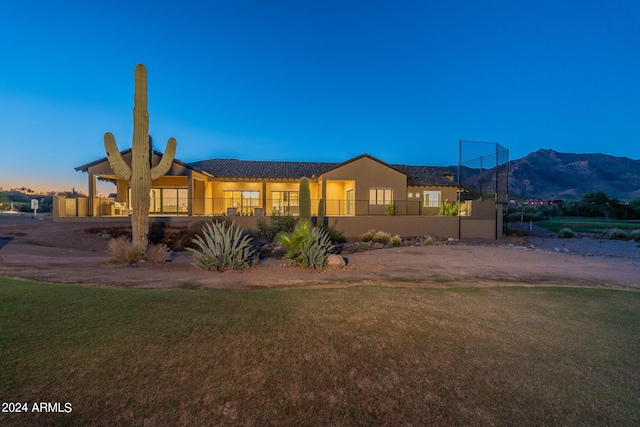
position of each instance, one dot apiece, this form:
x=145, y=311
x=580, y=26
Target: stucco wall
x=366, y=173
x=406, y=226
x=443, y=227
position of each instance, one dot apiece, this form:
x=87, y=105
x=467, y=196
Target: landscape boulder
x=335, y=260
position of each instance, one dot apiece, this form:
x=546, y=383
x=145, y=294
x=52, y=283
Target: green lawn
x=350, y=356
x=587, y=225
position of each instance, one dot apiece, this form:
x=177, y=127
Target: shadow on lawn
x=4, y=241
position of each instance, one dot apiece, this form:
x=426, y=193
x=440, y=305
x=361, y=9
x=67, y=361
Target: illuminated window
x=243, y=201
x=174, y=200
x=431, y=199
x=380, y=196
x=169, y=200
x=285, y=202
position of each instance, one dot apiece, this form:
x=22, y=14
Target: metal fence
x=113, y=207
x=483, y=173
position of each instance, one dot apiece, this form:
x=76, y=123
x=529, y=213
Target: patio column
x=264, y=197
x=190, y=189
x=93, y=203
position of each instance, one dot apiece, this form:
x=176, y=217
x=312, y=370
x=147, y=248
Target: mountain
x=548, y=174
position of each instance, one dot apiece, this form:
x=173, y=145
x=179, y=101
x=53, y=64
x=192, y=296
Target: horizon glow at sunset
x=325, y=81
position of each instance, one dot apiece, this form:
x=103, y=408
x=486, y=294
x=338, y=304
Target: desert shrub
x=222, y=248
x=158, y=253
x=430, y=241
x=179, y=237
x=391, y=209
x=335, y=235
x=268, y=230
x=449, y=209
x=381, y=237
x=307, y=245
x=157, y=231
x=122, y=251
x=367, y=236
x=396, y=241
x=566, y=233
x=114, y=231
x=616, y=234
x=635, y=235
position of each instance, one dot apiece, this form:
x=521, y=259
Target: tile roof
x=234, y=168
x=85, y=167
x=257, y=169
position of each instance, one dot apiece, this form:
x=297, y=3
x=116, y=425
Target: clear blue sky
x=314, y=80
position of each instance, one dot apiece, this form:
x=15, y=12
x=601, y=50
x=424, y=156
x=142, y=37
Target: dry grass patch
x=354, y=356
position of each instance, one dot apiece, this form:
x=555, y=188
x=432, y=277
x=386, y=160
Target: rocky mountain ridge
x=548, y=174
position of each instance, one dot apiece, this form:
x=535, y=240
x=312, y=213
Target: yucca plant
x=307, y=245
x=317, y=253
x=222, y=248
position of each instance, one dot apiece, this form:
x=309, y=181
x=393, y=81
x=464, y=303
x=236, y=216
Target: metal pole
x=460, y=191
x=481, y=198
x=495, y=197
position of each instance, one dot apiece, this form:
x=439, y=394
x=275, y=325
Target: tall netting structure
x=483, y=175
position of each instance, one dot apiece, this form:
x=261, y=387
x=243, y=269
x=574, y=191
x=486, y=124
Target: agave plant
x=222, y=248
x=309, y=246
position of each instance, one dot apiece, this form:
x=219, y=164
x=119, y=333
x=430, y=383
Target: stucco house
x=359, y=194
x=361, y=186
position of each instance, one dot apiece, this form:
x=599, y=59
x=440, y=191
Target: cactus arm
x=116, y=161
x=166, y=161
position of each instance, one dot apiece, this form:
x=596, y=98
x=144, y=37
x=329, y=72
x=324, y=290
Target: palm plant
x=307, y=245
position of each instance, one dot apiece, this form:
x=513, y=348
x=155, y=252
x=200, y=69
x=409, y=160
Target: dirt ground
x=39, y=249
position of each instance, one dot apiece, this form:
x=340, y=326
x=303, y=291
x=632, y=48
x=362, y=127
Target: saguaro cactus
x=305, y=200
x=320, y=220
x=139, y=173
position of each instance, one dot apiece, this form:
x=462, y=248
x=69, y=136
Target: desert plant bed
x=342, y=356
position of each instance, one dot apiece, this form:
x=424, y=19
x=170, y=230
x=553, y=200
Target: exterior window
x=432, y=199
x=380, y=196
x=350, y=199
x=174, y=200
x=285, y=202
x=244, y=202
x=169, y=200
x=154, y=201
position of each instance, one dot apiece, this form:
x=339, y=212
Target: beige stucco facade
x=363, y=186
x=360, y=194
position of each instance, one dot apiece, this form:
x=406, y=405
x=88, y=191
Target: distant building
x=536, y=203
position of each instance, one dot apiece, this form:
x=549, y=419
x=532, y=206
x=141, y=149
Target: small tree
x=391, y=209
x=449, y=209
